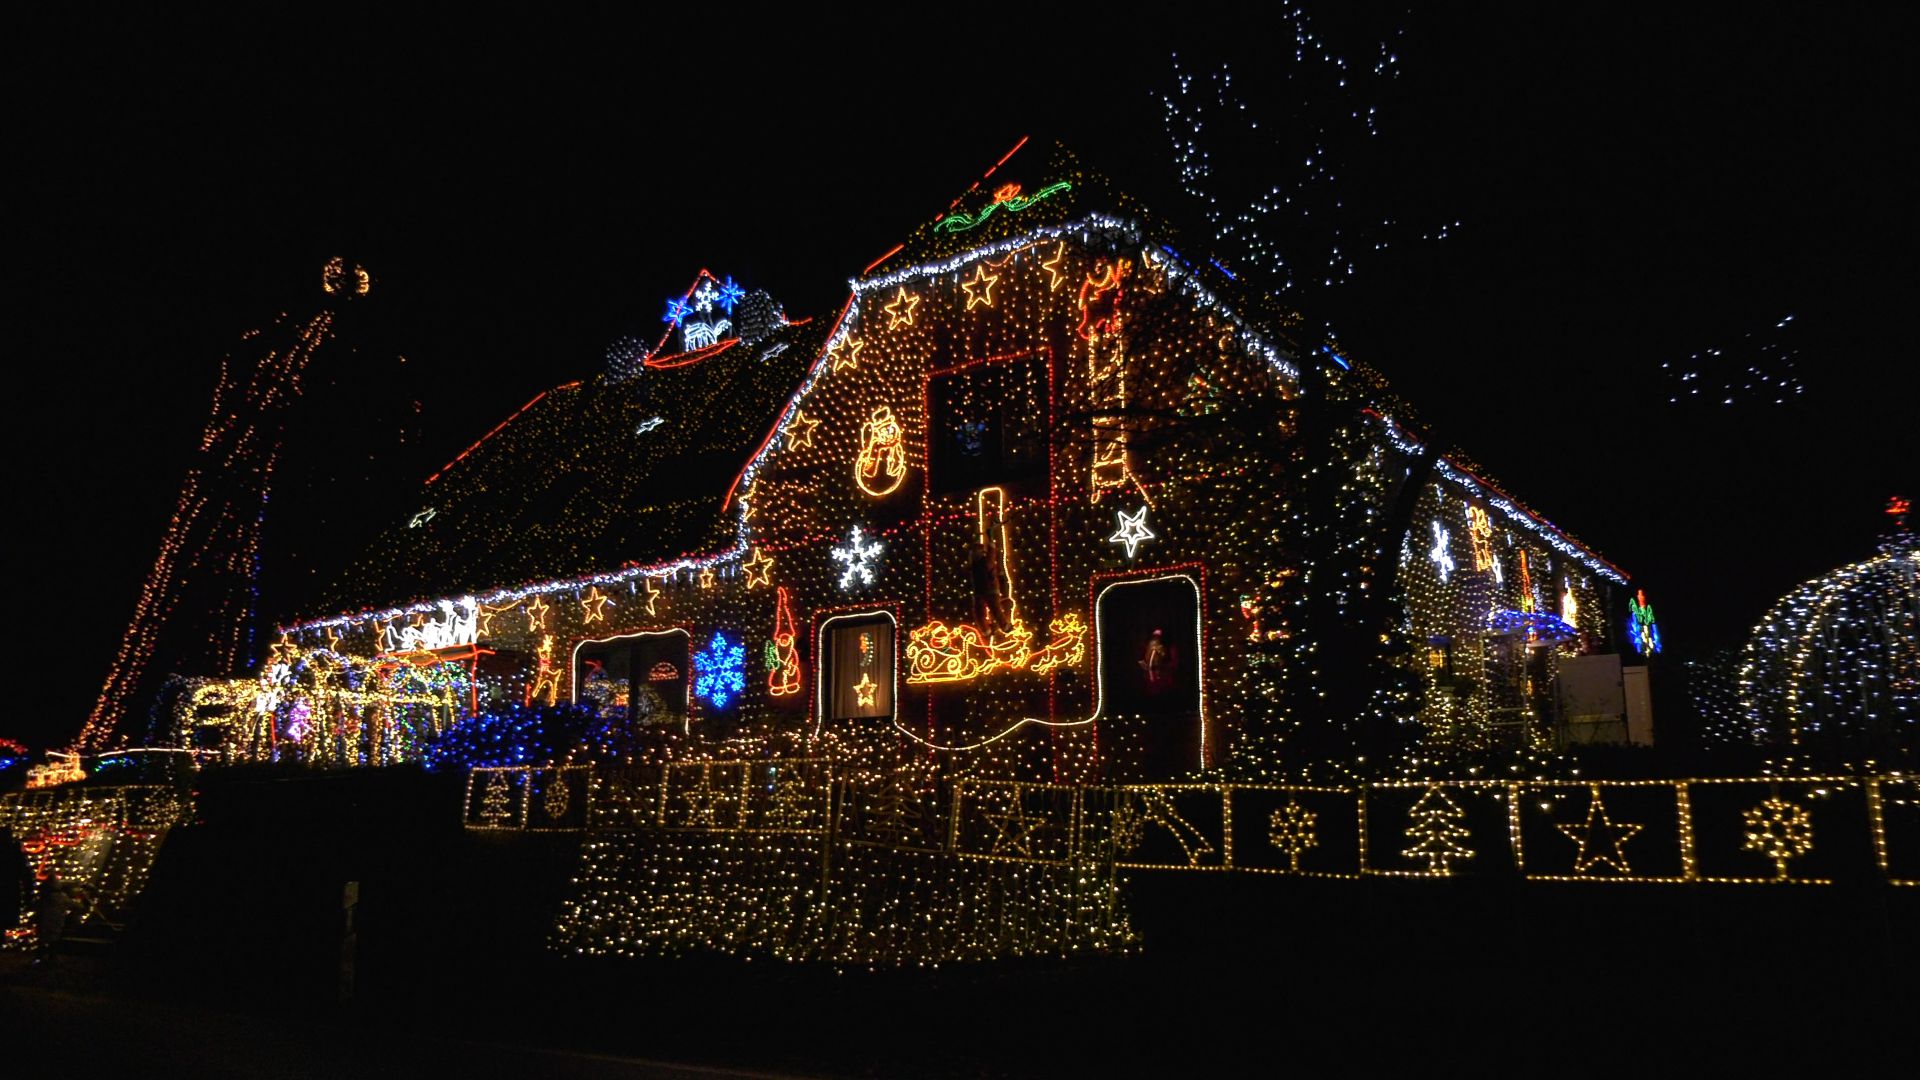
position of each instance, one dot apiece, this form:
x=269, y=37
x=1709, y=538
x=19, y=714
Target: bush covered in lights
x=520, y=735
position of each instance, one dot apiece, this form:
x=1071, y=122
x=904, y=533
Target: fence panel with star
x=1621, y=830
x=1013, y=821
x=704, y=796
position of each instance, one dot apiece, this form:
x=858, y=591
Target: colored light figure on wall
x=722, y=671
x=1007, y=196
x=938, y=653
x=882, y=463
x=783, y=660
x=1641, y=629
x=1442, y=558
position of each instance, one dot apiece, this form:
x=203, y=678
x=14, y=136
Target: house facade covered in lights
x=1046, y=498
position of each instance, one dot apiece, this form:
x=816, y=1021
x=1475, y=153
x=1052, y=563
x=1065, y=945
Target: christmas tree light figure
x=1437, y=832
x=557, y=797
x=493, y=804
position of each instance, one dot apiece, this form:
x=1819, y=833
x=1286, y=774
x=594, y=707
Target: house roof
x=639, y=464
x=588, y=477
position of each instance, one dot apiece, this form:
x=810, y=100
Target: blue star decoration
x=731, y=294
x=722, y=668
x=676, y=310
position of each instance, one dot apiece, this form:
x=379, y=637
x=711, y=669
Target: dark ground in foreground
x=231, y=969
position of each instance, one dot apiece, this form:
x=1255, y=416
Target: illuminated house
x=1048, y=498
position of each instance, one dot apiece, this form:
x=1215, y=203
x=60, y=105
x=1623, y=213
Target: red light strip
x=496, y=429
x=971, y=188
x=694, y=357
x=792, y=400
x=890, y=254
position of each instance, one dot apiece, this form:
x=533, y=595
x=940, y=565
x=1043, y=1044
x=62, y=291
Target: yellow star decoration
x=900, y=312
x=1600, y=839
x=283, y=651
x=759, y=569
x=984, y=282
x=333, y=639
x=846, y=354
x=706, y=578
x=653, y=595
x=1052, y=267
x=381, y=630
x=866, y=690
x=800, y=430
x=1013, y=829
x=488, y=614
x=595, y=605
x=537, y=613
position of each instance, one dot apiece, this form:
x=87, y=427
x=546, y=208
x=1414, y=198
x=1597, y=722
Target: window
x=856, y=660
x=987, y=424
x=642, y=676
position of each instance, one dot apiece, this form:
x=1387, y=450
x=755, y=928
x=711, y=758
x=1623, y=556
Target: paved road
x=48, y=1026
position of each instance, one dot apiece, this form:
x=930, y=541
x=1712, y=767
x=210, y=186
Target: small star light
x=858, y=557
x=1133, y=530
x=799, y=432
x=984, y=283
x=653, y=595
x=865, y=690
x=1442, y=558
x=759, y=569
x=722, y=671
x=422, y=518
x=1052, y=267
x=900, y=312
x=846, y=353
x=594, y=605
x=649, y=424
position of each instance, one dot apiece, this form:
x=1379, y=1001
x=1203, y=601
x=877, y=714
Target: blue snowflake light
x=731, y=294
x=722, y=668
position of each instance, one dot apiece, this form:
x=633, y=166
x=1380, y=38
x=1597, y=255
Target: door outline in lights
x=1199, y=637
x=820, y=681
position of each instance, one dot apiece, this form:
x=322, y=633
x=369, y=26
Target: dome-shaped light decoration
x=1836, y=663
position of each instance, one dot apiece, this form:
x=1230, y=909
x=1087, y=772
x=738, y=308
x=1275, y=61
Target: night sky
x=1631, y=189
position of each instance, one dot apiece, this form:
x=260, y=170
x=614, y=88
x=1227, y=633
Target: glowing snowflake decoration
x=730, y=294
x=722, y=671
x=704, y=296
x=858, y=557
